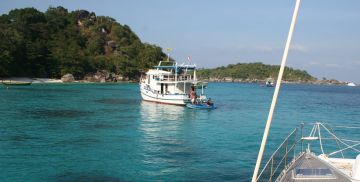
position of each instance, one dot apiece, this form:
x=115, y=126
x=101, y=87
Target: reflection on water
x=154, y=112
x=159, y=119
x=163, y=141
x=118, y=101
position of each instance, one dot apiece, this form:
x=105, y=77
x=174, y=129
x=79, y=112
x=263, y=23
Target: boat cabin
x=174, y=79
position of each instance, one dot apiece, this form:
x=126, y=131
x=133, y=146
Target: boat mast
x=276, y=92
x=168, y=54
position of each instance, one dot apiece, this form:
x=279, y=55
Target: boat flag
x=168, y=49
x=189, y=58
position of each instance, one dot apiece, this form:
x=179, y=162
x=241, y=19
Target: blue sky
x=326, y=41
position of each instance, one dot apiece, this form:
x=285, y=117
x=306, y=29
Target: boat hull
x=16, y=83
x=200, y=106
x=165, y=98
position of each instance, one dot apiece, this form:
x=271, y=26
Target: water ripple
x=118, y=101
x=86, y=177
x=56, y=113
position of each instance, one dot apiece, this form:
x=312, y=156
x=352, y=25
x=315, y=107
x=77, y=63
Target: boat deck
x=308, y=168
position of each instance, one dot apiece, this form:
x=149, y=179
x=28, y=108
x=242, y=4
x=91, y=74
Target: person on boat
x=209, y=102
x=192, y=95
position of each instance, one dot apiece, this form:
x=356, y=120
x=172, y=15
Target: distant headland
x=79, y=45
x=258, y=72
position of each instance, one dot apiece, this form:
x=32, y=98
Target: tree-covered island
x=253, y=72
x=57, y=42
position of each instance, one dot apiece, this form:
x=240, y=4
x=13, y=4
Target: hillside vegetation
x=253, y=72
x=56, y=42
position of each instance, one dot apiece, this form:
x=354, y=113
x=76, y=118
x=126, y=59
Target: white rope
x=350, y=127
x=355, y=141
x=352, y=147
x=339, y=139
x=337, y=143
x=343, y=139
x=321, y=146
x=276, y=92
x=312, y=131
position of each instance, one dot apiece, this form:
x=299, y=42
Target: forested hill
x=56, y=42
x=253, y=72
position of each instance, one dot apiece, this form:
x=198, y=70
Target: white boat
x=269, y=82
x=296, y=159
x=351, y=84
x=170, y=82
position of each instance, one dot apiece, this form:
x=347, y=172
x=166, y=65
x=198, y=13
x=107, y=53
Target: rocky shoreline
x=103, y=76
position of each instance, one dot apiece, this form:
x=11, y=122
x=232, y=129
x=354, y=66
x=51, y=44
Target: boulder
x=67, y=78
x=90, y=78
x=119, y=78
x=101, y=75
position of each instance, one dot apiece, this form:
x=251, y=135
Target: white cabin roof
x=155, y=72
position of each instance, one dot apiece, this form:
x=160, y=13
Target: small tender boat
x=16, y=83
x=351, y=84
x=200, y=106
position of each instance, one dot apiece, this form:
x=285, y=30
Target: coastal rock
x=103, y=76
x=90, y=78
x=67, y=78
x=119, y=78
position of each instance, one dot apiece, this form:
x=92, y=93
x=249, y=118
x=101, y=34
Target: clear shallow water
x=104, y=132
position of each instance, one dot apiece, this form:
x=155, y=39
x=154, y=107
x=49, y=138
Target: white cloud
x=257, y=48
x=332, y=65
x=299, y=48
x=264, y=48
x=314, y=63
x=356, y=62
x=269, y=48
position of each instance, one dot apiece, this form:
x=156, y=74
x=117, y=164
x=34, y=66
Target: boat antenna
x=276, y=92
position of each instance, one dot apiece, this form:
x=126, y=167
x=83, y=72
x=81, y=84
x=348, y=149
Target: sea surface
x=104, y=132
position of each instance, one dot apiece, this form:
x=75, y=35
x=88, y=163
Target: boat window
x=313, y=173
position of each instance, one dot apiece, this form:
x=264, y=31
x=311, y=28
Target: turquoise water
x=104, y=132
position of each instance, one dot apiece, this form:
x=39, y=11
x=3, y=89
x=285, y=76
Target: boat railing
x=293, y=147
x=180, y=78
x=280, y=159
